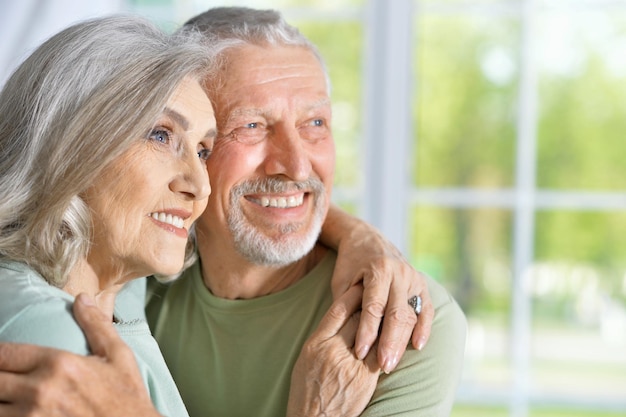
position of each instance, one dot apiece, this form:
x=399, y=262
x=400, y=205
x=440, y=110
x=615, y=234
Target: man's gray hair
x=227, y=27
x=74, y=105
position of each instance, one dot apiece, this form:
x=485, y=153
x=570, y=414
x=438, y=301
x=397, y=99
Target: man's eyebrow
x=245, y=112
x=325, y=101
x=177, y=117
x=320, y=103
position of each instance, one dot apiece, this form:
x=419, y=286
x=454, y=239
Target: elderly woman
x=104, y=133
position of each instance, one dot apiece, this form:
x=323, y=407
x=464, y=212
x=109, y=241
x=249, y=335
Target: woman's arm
x=364, y=255
x=328, y=379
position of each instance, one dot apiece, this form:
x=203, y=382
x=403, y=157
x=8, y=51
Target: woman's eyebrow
x=177, y=117
x=211, y=134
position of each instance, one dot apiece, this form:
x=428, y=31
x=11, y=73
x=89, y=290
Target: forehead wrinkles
x=275, y=107
x=258, y=65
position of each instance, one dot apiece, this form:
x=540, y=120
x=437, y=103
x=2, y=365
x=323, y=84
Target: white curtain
x=27, y=23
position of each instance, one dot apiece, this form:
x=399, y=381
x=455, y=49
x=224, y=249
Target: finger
x=371, y=360
x=7, y=409
x=348, y=331
x=10, y=387
x=339, y=313
x=398, y=325
x=344, y=276
x=421, y=332
x=342, y=280
x=21, y=358
x=376, y=290
x=101, y=336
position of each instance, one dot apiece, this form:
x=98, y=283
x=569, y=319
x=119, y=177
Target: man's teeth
x=282, y=202
x=169, y=219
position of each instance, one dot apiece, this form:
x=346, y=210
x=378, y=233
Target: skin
x=273, y=117
x=38, y=380
x=274, y=121
x=162, y=174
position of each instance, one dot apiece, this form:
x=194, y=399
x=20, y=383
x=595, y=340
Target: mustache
x=277, y=185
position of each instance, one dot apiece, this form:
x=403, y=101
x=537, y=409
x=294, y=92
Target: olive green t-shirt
x=233, y=358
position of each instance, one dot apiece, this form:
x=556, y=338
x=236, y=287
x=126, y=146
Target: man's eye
x=249, y=133
x=160, y=135
x=315, y=129
x=205, y=153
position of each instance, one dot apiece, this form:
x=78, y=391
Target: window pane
x=582, y=105
x=579, y=306
x=468, y=251
x=464, y=115
x=343, y=59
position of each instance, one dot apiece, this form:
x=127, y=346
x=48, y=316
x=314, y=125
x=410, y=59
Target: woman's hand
x=364, y=255
x=328, y=379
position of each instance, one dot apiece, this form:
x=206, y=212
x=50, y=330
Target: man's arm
x=36, y=381
x=425, y=383
x=364, y=255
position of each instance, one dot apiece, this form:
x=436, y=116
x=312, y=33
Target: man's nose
x=287, y=154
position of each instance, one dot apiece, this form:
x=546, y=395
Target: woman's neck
x=83, y=279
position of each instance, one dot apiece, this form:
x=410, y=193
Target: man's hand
x=367, y=257
x=328, y=379
x=37, y=381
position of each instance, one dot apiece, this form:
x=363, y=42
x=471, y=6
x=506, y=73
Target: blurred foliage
x=466, y=94
x=464, y=122
x=468, y=251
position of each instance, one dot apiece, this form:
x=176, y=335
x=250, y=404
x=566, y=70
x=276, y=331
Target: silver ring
x=416, y=303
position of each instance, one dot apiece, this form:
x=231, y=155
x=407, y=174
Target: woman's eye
x=317, y=122
x=252, y=125
x=160, y=135
x=204, y=153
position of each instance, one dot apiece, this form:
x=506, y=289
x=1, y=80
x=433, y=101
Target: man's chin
x=281, y=250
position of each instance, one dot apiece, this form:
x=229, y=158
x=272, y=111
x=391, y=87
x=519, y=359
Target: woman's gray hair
x=73, y=106
x=228, y=27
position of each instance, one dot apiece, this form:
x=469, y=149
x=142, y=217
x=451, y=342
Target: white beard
x=261, y=249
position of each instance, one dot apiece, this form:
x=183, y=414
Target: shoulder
x=32, y=311
x=448, y=314
x=425, y=382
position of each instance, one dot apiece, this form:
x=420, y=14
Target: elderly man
x=233, y=327
x=271, y=175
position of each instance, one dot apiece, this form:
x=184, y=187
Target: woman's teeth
x=169, y=219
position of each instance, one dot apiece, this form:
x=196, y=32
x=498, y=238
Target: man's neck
x=242, y=279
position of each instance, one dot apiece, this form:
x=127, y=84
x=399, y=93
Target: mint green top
x=234, y=357
x=32, y=311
